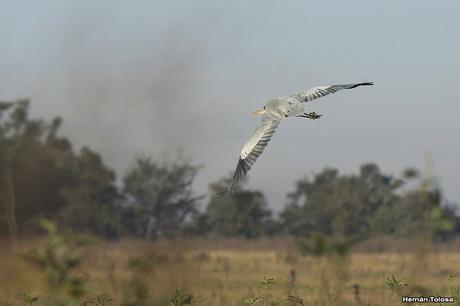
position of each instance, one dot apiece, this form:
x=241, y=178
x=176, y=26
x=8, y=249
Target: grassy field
x=221, y=272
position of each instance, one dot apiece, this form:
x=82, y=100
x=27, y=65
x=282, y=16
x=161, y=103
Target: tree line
x=42, y=175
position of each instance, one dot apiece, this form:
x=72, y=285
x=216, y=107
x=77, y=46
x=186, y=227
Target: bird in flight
x=272, y=113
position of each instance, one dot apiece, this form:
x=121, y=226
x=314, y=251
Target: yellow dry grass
x=222, y=272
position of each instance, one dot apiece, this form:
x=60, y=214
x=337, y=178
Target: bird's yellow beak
x=259, y=111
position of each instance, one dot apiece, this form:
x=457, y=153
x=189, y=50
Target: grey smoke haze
x=155, y=77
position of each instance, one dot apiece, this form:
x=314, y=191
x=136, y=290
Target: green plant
x=254, y=299
x=267, y=299
x=27, y=298
x=98, y=300
x=394, y=284
x=181, y=297
x=267, y=282
x=58, y=260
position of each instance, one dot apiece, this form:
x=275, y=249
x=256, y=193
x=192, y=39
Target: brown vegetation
x=137, y=272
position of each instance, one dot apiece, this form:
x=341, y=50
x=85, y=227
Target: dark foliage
x=42, y=175
x=163, y=201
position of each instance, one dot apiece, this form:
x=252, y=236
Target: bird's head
x=261, y=111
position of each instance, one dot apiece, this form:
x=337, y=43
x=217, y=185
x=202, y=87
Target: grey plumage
x=261, y=137
x=321, y=91
x=273, y=112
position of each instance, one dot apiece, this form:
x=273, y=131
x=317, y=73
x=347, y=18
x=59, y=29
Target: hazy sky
x=152, y=77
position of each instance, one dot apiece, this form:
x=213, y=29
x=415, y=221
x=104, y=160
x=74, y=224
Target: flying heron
x=272, y=113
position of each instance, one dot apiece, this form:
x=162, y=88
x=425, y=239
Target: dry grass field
x=225, y=272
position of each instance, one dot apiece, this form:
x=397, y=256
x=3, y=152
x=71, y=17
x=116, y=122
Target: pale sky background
x=154, y=77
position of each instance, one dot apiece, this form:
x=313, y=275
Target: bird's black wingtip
x=241, y=169
x=362, y=84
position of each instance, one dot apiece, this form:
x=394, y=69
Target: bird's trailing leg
x=311, y=115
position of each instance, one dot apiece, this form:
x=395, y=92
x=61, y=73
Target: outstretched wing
x=253, y=148
x=321, y=91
